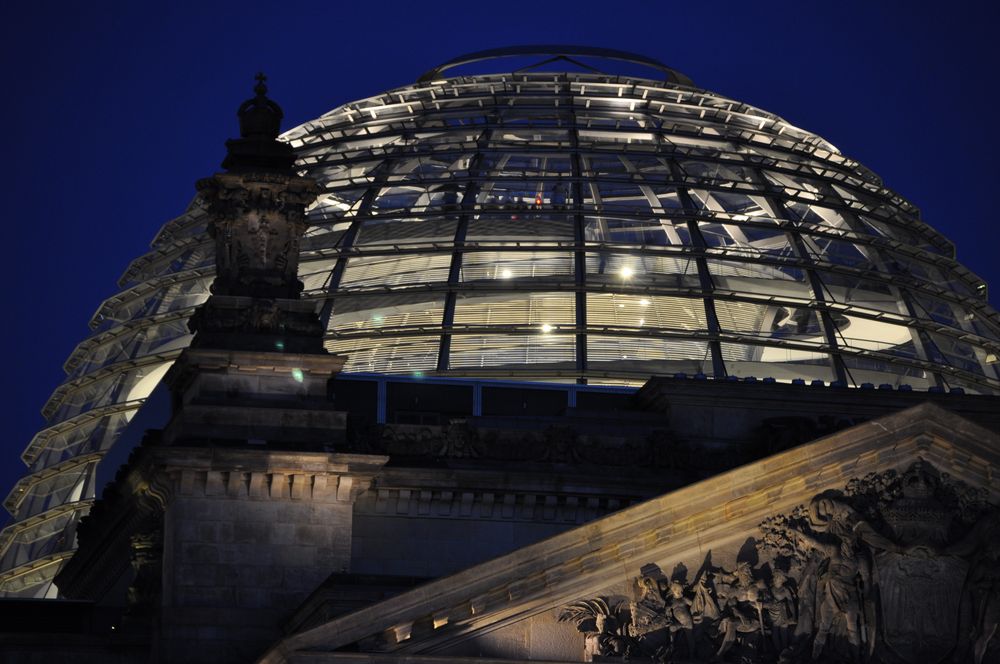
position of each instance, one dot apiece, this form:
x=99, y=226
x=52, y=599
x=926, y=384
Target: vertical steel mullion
x=829, y=327
x=704, y=276
x=815, y=284
x=579, y=248
x=469, y=195
x=922, y=340
x=347, y=241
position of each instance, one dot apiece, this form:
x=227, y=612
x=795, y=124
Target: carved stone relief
x=896, y=568
x=146, y=557
x=256, y=220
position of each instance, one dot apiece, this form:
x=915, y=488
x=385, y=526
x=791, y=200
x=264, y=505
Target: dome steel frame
x=574, y=227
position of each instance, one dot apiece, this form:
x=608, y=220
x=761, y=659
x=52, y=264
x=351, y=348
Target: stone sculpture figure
x=740, y=605
x=781, y=610
x=648, y=607
x=866, y=576
x=844, y=583
x=704, y=606
x=678, y=612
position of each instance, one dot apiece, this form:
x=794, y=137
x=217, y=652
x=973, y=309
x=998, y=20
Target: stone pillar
x=261, y=509
x=256, y=371
x=248, y=535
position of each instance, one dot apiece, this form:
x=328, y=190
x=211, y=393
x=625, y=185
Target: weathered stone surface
x=716, y=514
x=249, y=558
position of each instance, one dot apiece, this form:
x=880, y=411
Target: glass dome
x=547, y=226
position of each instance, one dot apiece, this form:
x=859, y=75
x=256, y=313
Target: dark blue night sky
x=113, y=109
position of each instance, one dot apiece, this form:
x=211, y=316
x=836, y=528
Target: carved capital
x=257, y=220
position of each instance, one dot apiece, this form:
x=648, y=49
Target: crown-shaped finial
x=258, y=147
x=261, y=87
x=260, y=117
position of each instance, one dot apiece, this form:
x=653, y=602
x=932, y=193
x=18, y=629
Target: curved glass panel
x=556, y=227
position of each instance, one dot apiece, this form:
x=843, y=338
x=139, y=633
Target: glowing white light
x=627, y=273
x=642, y=321
x=644, y=302
x=505, y=273
x=546, y=328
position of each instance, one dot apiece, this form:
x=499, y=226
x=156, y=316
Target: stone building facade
x=276, y=518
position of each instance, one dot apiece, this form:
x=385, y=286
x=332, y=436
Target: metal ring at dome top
x=557, y=51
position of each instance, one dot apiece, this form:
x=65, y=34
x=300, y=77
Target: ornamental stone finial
x=257, y=216
x=260, y=117
x=257, y=148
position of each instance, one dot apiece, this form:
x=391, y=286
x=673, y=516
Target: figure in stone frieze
x=740, y=606
x=648, y=607
x=678, y=613
x=781, y=610
x=704, y=607
x=844, y=586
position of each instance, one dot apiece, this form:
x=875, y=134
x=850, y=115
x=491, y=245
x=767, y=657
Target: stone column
x=248, y=535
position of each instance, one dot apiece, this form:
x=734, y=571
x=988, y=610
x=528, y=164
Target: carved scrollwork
x=605, y=625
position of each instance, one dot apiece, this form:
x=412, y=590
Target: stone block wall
x=241, y=551
x=432, y=533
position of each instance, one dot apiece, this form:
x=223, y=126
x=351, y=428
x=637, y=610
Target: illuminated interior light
x=546, y=328
x=642, y=321
x=627, y=273
x=298, y=375
x=644, y=302
x=505, y=273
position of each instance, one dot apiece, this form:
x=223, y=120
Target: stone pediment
x=622, y=568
